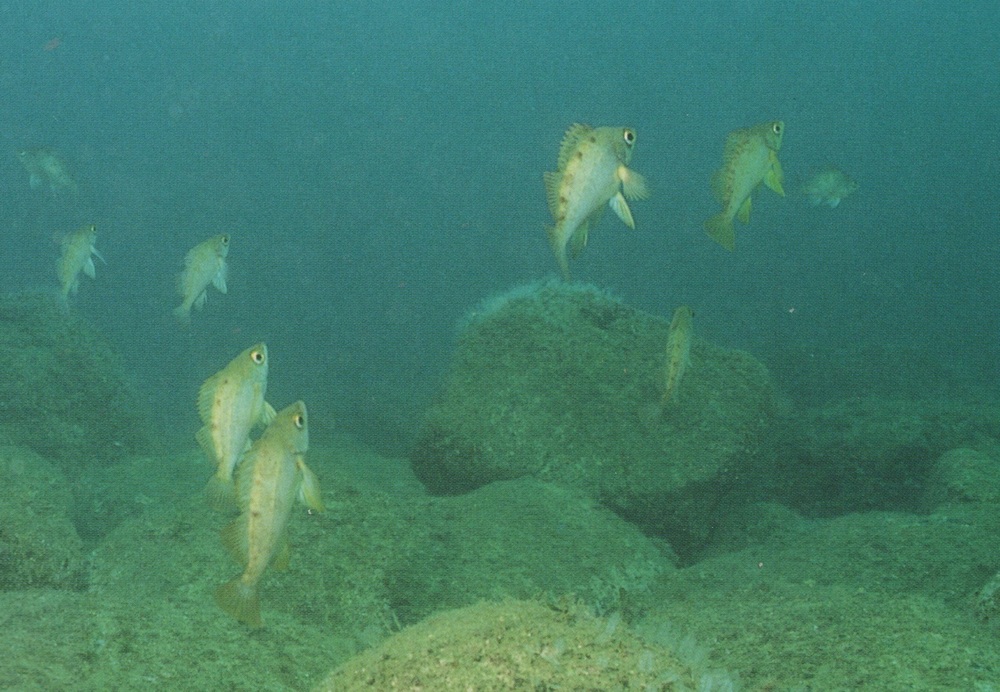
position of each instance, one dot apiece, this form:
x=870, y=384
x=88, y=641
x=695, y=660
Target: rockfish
x=828, y=187
x=678, y=351
x=78, y=253
x=44, y=165
x=592, y=171
x=230, y=403
x=204, y=264
x=750, y=157
x=272, y=474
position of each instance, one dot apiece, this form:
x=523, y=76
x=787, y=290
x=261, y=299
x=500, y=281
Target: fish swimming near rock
x=828, y=187
x=750, y=158
x=231, y=403
x=272, y=475
x=592, y=171
x=77, y=255
x=678, y=351
x=45, y=166
x=204, y=265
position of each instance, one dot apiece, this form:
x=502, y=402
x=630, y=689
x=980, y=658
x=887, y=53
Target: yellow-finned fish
x=78, y=253
x=592, y=171
x=230, y=403
x=272, y=475
x=204, y=265
x=828, y=187
x=750, y=157
x=678, y=351
x=45, y=166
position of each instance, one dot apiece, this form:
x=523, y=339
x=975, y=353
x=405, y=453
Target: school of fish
x=261, y=479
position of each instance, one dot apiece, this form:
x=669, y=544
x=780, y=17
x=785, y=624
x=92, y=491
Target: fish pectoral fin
x=89, y=269
x=309, y=493
x=744, y=213
x=578, y=240
x=267, y=414
x=620, y=208
x=34, y=180
x=98, y=255
x=219, y=280
x=282, y=556
x=633, y=184
x=833, y=202
x=199, y=302
x=775, y=176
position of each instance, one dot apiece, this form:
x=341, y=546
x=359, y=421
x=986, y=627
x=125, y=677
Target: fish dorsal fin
x=236, y=539
x=206, y=396
x=570, y=142
x=552, y=183
x=620, y=207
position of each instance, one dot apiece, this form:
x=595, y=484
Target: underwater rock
x=563, y=382
x=39, y=547
x=963, y=475
x=515, y=645
x=519, y=539
x=873, y=453
x=64, y=392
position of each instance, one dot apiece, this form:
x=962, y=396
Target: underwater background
x=379, y=168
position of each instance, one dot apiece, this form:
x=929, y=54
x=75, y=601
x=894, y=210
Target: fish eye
x=257, y=357
x=300, y=421
x=629, y=137
x=776, y=128
x=225, y=240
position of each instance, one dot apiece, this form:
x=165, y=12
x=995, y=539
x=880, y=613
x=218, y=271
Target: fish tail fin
x=241, y=601
x=559, y=248
x=221, y=494
x=720, y=229
x=183, y=314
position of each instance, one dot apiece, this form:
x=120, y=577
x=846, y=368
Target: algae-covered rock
x=39, y=547
x=563, y=382
x=514, y=645
x=64, y=392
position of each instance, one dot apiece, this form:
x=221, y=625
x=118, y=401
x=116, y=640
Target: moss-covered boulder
x=563, y=382
x=64, y=392
x=39, y=547
x=517, y=645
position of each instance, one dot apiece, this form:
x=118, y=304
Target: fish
x=204, y=265
x=231, y=403
x=44, y=165
x=828, y=187
x=592, y=171
x=750, y=158
x=678, y=351
x=78, y=253
x=272, y=475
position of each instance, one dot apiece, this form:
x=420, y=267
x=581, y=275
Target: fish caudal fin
x=720, y=229
x=221, y=494
x=241, y=601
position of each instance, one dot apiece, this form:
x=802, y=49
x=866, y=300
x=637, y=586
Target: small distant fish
x=45, y=166
x=828, y=187
x=269, y=479
x=78, y=253
x=750, y=157
x=592, y=171
x=204, y=264
x=230, y=403
x=678, y=351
